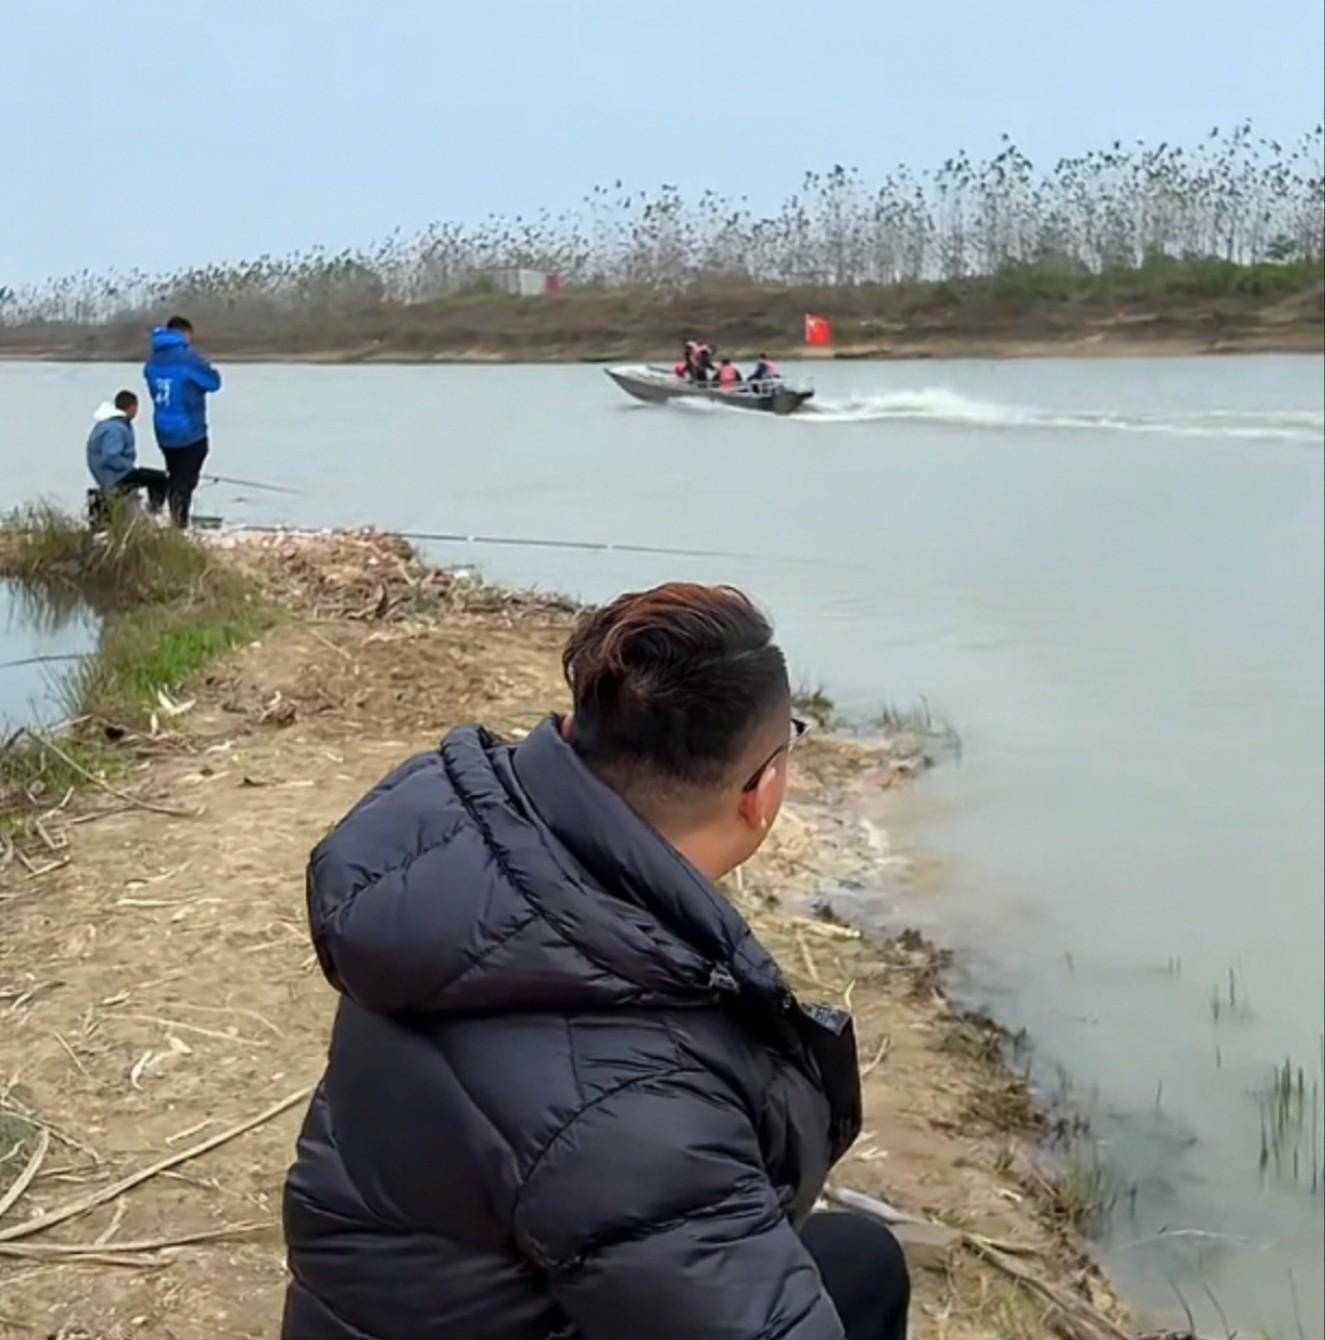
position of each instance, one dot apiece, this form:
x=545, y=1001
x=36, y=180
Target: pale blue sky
x=152, y=134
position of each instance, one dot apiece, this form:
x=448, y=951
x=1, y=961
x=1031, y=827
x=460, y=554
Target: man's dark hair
x=125, y=400
x=180, y=323
x=670, y=687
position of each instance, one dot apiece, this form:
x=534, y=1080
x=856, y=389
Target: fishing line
x=42, y=660
x=449, y=537
x=592, y=546
x=583, y=546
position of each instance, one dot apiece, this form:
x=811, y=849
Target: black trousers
x=864, y=1271
x=156, y=483
x=183, y=466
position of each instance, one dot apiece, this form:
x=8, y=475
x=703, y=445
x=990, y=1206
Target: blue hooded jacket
x=178, y=380
x=110, y=446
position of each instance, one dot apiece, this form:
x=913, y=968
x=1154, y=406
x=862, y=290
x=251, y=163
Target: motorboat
x=656, y=385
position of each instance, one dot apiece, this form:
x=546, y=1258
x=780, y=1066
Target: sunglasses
x=799, y=729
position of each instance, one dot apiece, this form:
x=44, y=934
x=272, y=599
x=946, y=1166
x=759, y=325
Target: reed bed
x=1237, y=212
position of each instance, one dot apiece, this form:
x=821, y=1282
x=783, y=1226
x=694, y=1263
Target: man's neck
x=698, y=846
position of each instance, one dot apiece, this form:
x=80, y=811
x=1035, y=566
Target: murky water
x=37, y=647
x=1107, y=574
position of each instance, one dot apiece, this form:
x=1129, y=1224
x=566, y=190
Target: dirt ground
x=157, y=986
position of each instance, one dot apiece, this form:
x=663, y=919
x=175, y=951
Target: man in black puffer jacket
x=569, y=1096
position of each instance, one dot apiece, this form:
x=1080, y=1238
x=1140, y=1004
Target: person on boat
x=729, y=375
x=765, y=370
x=699, y=359
x=568, y=1092
x=685, y=363
x=112, y=453
x=179, y=380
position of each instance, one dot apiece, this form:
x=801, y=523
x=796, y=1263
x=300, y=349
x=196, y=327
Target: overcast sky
x=153, y=134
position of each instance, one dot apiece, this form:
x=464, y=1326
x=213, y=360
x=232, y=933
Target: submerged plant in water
x=1292, y=1139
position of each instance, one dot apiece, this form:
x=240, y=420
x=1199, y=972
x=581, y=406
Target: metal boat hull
x=655, y=386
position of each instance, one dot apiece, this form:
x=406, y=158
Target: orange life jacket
x=728, y=376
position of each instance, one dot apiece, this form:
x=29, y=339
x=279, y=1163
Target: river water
x=1108, y=576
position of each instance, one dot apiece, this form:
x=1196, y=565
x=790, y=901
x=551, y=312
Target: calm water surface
x=1107, y=574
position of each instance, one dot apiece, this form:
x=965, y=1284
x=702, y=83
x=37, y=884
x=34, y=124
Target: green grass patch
x=1159, y=281
x=31, y=769
x=133, y=561
x=153, y=650
x=1083, y=1196
x=814, y=703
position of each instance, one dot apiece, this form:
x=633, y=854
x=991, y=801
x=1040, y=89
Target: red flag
x=818, y=330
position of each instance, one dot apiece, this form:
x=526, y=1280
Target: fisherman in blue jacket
x=112, y=456
x=179, y=379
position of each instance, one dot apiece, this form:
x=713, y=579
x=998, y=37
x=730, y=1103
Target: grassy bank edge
x=168, y=611
x=157, y=641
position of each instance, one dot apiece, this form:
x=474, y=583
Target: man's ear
x=759, y=806
x=568, y=726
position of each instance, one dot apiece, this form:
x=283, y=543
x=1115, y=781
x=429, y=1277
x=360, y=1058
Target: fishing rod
x=252, y=484
x=591, y=546
x=447, y=537
x=609, y=547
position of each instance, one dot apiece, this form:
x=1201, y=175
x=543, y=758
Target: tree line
x=1236, y=197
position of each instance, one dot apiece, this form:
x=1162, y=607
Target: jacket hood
x=165, y=338
x=485, y=876
x=106, y=410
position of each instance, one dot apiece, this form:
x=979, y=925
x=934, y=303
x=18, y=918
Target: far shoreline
x=1307, y=341
x=1179, y=311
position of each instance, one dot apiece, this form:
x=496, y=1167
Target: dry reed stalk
x=1072, y=1315
x=879, y=1058
x=192, y=1028
x=42, y=742
x=24, y=1180
x=89, y=1251
x=826, y=930
x=83, y=1204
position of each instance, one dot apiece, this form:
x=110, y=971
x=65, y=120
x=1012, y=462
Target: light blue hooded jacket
x=111, y=453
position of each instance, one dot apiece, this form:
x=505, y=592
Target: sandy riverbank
x=159, y=989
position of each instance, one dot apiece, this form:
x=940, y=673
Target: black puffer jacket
x=569, y=1095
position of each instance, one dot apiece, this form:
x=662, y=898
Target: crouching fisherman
x=112, y=455
x=568, y=1092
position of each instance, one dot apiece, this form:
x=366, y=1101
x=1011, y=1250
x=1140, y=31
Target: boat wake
x=939, y=405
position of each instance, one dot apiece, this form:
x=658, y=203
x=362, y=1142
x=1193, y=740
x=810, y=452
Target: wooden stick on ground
x=116, y=1189
x=86, y=1250
x=42, y=742
x=880, y=1056
x=1074, y=1316
x=21, y=1183
x=102, y=1256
